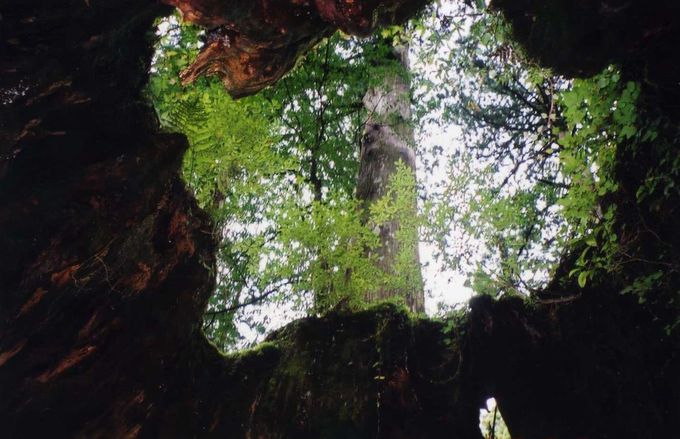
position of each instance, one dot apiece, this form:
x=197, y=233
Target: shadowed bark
x=106, y=264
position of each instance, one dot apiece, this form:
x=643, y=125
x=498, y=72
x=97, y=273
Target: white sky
x=441, y=286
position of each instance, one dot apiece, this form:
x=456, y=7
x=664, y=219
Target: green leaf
x=582, y=278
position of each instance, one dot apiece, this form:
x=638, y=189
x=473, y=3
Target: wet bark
x=387, y=141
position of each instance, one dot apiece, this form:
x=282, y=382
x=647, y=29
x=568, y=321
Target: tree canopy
x=520, y=184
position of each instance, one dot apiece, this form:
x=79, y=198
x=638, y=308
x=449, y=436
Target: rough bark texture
x=581, y=37
x=106, y=265
x=105, y=257
x=252, y=44
x=387, y=140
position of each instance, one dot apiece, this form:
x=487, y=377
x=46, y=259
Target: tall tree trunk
x=387, y=140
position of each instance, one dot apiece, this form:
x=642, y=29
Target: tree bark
x=106, y=264
x=388, y=140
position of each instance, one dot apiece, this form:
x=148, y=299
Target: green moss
x=265, y=349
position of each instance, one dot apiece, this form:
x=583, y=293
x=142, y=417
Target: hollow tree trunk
x=106, y=261
x=106, y=265
x=388, y=140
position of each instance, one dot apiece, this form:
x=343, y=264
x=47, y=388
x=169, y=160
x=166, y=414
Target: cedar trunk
x=387, y=140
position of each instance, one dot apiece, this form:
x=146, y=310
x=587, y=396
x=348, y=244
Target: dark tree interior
x=106, y=260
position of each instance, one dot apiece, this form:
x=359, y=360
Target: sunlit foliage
x=523, y=176
x=277, y=172
x=532, y=159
